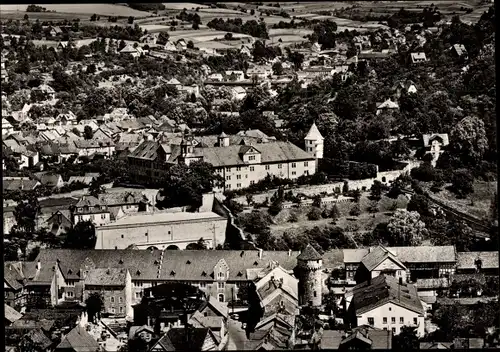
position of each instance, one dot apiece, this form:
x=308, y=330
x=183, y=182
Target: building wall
x=310, y=282
x=98, y=219
x=391, y=310
x=244, y=176
x=389, y=265
x=109, y=293
x=161, y=235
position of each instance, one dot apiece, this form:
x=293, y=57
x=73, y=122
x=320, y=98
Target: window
x=293, y=172
x=252, y=182
x=393, y=320
x=306, y=172
x=415, y=321
x=103, y=216
x=121, y=309
x=238, y=168
x=238, y=185
x=251, y=157
x=113, y=310
x=401, y=320
x=390, y=308
x=220, y=285
x=220, y=275
x=393, y=330
x=138, y=295
x=69, y=294
x=122, y=236
x=221, y=297
x=314, y=293
x=203, y=284
x=384, y=320
x=371, y=321
x=238, y=177
x=279, y=166
x=267, y=167
x=228, y=178
x=228, y=186
x=252, y=168
x=306, y=163
x=294, y=165
x=92, y=217
x=70, y=283
x=112, y=299
x=120, y=299
x=228, y=169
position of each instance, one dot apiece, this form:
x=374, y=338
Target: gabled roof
x=11, y=314
x=89, y=201
x=106, y=277
x=173, y=81
x=313, y=133
x=377, y=256
x=38, y=338
x=382, y=290
x=428, y=138
x=467, y=260
x=309, y=253
x=214, y=304
x=175, y=339
x=79, y=340
x=388, y=104
x=417, y=254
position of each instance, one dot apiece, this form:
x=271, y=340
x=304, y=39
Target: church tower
x=314, y=142
x=309, y=265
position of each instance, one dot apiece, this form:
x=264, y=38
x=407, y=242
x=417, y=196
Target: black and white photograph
x=228, y=176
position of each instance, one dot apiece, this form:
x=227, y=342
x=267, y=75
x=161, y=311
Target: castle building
x=309, y=266
x=314, y=142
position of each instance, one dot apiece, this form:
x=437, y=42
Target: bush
x=462, y=183
x=275, y=208
x=355, y=211
x=314, y=213
x=424, y=173
x=293, y=217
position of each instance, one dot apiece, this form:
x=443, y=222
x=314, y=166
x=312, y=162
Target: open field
x=80, y=9
x=482, y=196
x=183, y=5
x=205, y=35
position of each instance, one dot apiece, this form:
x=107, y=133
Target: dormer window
x=240, y=273
x=255, y=263
x=121, y=261
x=188, y=262
x=172, y=273
x=204, y=273
x=70, y=272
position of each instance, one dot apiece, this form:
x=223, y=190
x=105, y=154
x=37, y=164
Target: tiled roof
x=12, y=276
x=50, y=179
x=25, y=185
x=146, y=150
x=384, y=289
x=106, y=277
x=418, y=254
x=441, y=282
x=467, y=260
x=379, y=339
x=162, y=217
x=428, y=138
x=333, y=258
x=309, y=253
x=270, y=153
x=435, y=345
x=214, y=304
x=91, y=143
x=198, y=320
x=37, y=337
x=388, y=104
x=11, y=314
x=123, y=197
x=140, y=263
x=79, y=340
x=175, y=339
x=479, y=277
x=314, y=133
x=89, y=201
x=377, y=256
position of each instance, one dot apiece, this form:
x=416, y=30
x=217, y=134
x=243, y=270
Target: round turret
x=309, y=265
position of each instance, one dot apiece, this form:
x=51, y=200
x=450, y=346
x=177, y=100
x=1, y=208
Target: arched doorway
x=152, y=248
x=172, y=247
x=192, y=246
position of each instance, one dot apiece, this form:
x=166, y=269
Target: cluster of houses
x=384, y=289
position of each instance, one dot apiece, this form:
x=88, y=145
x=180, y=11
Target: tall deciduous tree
x=468, y=140
x=25, y=214
x=405, y=229
x=95, y=305
x=81, y=236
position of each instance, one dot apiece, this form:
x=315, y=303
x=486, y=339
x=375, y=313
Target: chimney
x=289, y=252
x=260, y=253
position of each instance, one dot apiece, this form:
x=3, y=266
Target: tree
x=405, y=229
x=275, y=208
x=95, y=305
x=462, y=183
x=87, y=132
x=376, y=190
x=468, y=140
x=373, y=207
x=190, y=44
x=420, y=204
x=334, y=212
x=96, y=186
x=314, y=213
x=200, y=245
x=25, y=213
x=356, y=210
x=345, y=187
x=277, y=68
x=184, y=186
x=196, y=26
x=249, y=198
x=130, y=20
x=407, y=340
x=81, y=236
x=228, y=36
